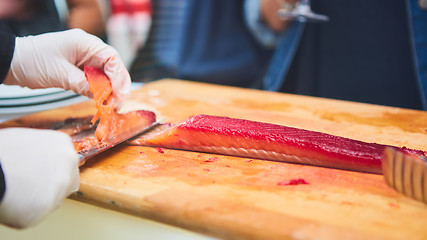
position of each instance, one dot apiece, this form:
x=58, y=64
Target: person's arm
x=16, y=9
x=40, y=167
x=57, y=59
x=2, y=184
x=34, y=176
x=263, y=21
x=87, y=15
x=7, y=46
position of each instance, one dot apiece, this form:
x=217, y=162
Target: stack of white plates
x=16, y=99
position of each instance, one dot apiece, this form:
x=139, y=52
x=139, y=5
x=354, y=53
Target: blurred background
x=364, y=51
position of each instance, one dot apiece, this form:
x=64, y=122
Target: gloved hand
x=57, y=59
x=40, y=169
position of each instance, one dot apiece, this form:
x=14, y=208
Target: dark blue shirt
x=210, y=43
x=7, y=46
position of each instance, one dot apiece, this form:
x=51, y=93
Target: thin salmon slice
x=244, y=138
x=110, y=122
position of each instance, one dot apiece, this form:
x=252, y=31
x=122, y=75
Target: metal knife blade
x=115, y=140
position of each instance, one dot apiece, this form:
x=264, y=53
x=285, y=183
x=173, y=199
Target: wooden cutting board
x=242, y=198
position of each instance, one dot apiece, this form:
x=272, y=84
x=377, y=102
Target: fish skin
x=245, y=138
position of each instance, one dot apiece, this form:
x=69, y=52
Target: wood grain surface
x=241, y=198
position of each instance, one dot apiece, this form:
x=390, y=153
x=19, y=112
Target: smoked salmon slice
x=110, y=122
x=244, y=138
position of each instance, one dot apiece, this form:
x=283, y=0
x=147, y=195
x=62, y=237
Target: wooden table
x=242, y=198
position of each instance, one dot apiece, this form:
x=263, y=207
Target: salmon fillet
x=244, y=138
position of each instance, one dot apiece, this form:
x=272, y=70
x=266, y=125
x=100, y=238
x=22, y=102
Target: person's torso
x=44, y=18
x=363, y=54
x=209, y=43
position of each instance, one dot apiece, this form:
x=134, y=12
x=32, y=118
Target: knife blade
x=115, y=140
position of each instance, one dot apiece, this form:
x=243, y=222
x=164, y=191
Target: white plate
x=12, y=112
x=45, y=98
x=41, y=107
x=9, y=91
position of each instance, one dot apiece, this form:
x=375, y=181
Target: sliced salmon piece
x=111, y=122
x=84, y=144
x=244, y=138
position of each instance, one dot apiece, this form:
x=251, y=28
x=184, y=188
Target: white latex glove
x=40, y=169
x=57, y=59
